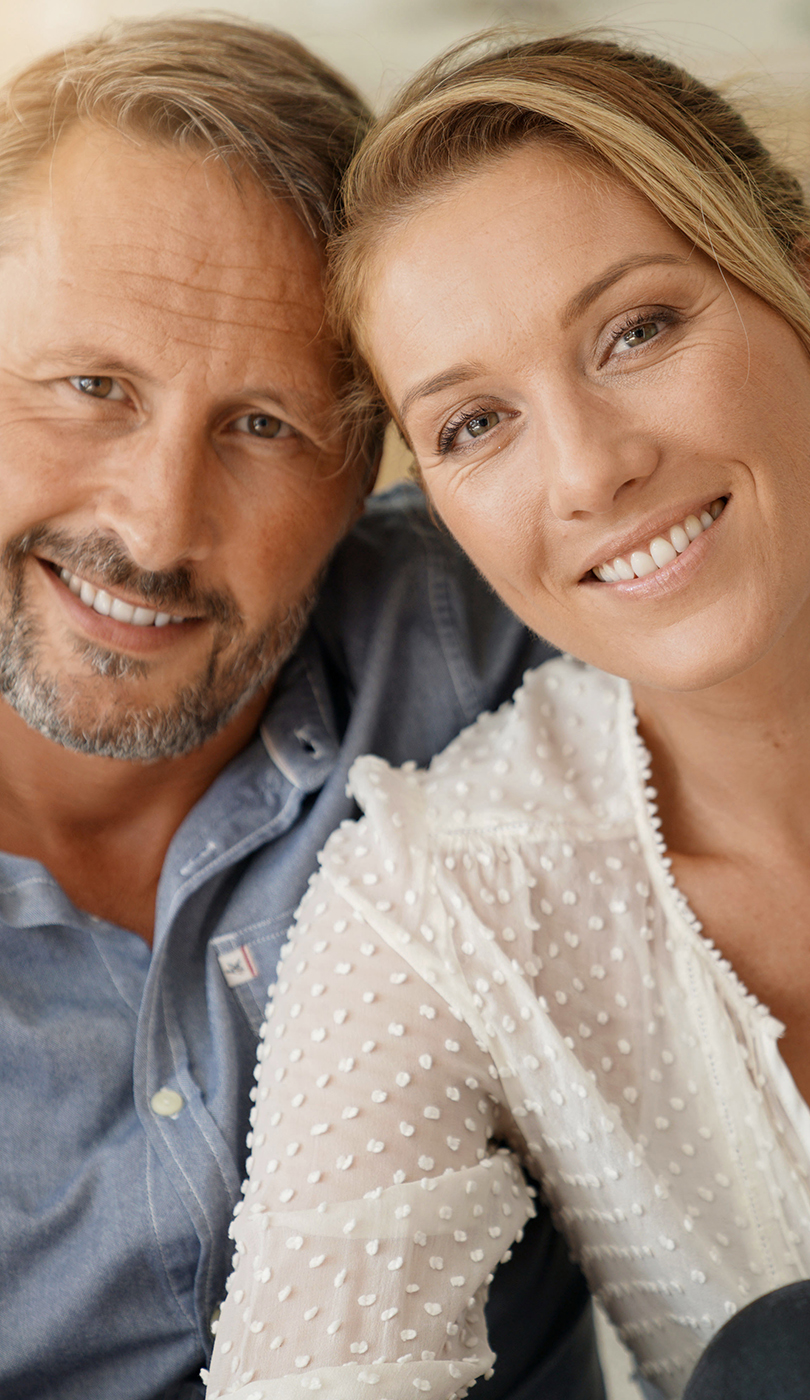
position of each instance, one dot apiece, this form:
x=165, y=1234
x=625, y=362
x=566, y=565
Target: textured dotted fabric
x=496, y=953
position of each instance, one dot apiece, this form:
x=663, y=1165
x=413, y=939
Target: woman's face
x=580, y=386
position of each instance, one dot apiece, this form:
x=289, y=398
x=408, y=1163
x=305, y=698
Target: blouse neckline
x=637, y=762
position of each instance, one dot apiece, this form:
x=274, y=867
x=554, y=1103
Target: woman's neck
x=732, y=763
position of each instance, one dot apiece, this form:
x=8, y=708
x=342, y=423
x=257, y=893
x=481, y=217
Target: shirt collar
x=299, y=730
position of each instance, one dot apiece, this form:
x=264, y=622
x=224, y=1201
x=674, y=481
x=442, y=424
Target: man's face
x=170, y=481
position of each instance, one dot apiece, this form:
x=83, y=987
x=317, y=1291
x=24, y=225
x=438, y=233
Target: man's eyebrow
x=448, y=378
x=583, y=299
x=288, y=399
x=93, y=356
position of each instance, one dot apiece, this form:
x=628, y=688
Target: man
x=174, y=478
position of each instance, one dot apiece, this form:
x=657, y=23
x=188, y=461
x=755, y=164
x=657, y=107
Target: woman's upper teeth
x=662, y=550
x=109, y=606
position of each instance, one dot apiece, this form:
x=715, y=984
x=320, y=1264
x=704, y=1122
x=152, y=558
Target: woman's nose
x=594, y=455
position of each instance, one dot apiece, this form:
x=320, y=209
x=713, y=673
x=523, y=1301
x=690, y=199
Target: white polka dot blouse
x=496, y=954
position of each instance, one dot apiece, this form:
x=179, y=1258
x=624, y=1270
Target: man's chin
x=128, y=731
x=112, y=665
x=112, y=705
x=114, y=708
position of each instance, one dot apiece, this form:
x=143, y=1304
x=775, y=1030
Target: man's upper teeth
x=662, y=550
x=102, y=602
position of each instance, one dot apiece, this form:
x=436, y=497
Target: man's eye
x=97, y=386
x=262, y=425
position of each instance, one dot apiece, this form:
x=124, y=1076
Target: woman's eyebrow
x=584, y=298
x=448, y=378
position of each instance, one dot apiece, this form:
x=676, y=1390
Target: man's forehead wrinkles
x=303, y=330
x=186, y=268
x=141, y=255
x=276, y=291
x=195, y=301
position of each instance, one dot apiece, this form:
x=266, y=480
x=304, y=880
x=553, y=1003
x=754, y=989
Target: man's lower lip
x=120, y=636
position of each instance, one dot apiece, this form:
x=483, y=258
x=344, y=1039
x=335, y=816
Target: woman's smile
x=641, y=560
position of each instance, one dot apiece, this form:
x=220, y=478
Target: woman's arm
x=374, y=1212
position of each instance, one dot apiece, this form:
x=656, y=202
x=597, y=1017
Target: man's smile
x=103, y=618
x=110, y=605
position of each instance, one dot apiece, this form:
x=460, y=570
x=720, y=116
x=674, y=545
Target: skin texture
x=575, y=378
x=165, y=397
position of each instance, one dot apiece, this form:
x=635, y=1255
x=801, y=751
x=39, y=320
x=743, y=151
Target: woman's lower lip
x=668, y=578
x=107, y=631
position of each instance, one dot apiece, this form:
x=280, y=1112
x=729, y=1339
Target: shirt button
x=214, y=1323
x=167, y=1103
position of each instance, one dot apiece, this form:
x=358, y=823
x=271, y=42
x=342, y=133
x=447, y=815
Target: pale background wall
x=760, y=49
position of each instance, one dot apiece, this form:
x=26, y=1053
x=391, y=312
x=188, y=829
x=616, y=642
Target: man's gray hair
x=251, y=96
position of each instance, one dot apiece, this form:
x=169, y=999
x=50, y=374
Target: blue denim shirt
x=125, y=1080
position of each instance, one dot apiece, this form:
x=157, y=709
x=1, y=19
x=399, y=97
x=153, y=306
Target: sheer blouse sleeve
x=375, y=1207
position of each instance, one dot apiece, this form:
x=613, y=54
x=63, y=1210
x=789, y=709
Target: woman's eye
x=630, y=337
x=97, y=386
x=475, y=425
x=638, y=334
x=262, y=425
x=481, y=423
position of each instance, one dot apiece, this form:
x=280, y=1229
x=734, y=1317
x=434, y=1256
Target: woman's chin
x=685, y=659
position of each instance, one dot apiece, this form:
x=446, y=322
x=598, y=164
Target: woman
x=581, y=286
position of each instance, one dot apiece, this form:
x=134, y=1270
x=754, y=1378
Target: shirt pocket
x=248, y=961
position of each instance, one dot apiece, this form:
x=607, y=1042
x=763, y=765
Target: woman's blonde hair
x=675, y=140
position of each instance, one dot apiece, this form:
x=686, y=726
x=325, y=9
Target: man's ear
x=367, y=482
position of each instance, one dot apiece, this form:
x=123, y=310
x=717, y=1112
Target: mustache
x=104, y=557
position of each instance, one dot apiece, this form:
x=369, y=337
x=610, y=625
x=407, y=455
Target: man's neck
x=102, y=826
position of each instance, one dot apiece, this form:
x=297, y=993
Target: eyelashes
x=451, y=430
x=660, y=316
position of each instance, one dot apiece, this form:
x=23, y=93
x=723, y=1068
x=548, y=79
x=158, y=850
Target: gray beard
x=237, y=667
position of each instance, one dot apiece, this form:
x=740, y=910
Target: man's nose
x=594, y=455
x=156, y=496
